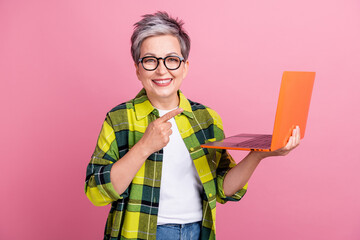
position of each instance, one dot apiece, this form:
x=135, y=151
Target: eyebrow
x=168, y=54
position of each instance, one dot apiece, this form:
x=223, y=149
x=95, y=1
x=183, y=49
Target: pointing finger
x=171, y=114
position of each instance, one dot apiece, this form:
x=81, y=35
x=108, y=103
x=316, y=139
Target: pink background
x=64, y=64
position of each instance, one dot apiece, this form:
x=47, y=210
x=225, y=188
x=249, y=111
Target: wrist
x=142, y=149
x=258, y=155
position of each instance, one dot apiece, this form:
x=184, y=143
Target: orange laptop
x=292, y=110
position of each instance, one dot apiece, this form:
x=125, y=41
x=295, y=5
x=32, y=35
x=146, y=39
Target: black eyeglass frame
x=158, y=62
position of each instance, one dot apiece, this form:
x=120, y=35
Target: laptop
x=292, y=110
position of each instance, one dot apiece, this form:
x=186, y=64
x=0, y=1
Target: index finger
x=298, y=132
x=171, y=114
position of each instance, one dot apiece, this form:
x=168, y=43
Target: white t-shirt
x=180, y=191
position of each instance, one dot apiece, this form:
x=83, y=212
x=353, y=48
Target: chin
x=165, y=94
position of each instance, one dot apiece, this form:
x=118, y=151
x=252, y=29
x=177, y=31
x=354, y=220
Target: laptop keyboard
x=261, y=142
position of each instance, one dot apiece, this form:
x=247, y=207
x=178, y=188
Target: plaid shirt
x=133, y=213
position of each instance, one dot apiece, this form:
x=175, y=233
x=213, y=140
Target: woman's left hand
x=239, y=175
x=293, y=142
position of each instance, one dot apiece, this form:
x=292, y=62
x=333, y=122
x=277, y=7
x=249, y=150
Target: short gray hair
x=156, y=24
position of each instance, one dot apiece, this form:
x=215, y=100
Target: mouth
x=162, y=82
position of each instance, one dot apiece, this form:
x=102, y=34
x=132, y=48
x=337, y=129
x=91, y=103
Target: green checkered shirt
x=133, y=213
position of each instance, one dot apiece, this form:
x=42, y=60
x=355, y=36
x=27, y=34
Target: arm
x=239, y=175
x=98, y=187
x=224, y=163
x=156, y=137
x=107, y=175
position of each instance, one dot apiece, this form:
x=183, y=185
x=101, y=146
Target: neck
x=165, y=103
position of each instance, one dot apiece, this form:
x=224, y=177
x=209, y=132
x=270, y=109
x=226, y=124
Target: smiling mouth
x=162, y=82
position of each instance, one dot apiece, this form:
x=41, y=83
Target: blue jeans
x=189, y=231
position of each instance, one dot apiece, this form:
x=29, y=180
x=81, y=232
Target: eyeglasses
x=150, y=63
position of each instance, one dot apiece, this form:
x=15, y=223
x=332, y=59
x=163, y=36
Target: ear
x=186, y=68
x=137, y=70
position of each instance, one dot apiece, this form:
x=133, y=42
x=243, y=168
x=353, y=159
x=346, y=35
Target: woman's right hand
x=157, y=134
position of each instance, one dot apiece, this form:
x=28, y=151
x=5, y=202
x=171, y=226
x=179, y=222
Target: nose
x=161, y=69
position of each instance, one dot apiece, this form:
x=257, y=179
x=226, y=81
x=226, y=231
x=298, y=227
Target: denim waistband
x=180, y=225
x=171, y=231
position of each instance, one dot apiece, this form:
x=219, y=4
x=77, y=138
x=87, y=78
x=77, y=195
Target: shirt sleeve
x=98, y=187
x=226, y=162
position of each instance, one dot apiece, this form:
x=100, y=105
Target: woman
x=148, y=162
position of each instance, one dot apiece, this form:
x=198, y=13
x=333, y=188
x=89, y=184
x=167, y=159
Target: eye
x=173, y=59
x=149, y=60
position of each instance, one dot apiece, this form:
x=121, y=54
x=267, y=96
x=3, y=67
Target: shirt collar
x=143, y=106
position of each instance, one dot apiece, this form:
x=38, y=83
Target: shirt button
x=192, y=149
x=210, y=195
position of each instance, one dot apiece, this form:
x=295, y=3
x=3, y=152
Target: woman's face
x=161, y=85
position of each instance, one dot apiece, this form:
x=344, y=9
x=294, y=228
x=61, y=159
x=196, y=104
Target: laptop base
x=243, y=141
